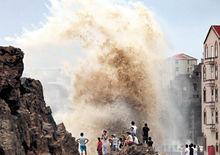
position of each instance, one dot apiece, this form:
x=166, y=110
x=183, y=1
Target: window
x=216, y=146
x=216, y=49
x=188, y=69
x=216, y=135
x=204, y=117
x=204, y=73
x=205, y=143
x=177, y=69
x=204, y=95
x=216, y=71
x=212, y=91
x=177, y=62
x=212, y=68
x=216, y=117
x=206, y=51
x=212, y=52
x=188, y=62
x=216, y=94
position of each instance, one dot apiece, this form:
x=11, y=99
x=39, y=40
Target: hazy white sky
x=184, y=22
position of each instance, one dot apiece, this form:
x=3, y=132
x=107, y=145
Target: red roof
x=183, y=56
x=216, y=29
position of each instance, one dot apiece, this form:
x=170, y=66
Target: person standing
x=195, y=152
x=82, y=143
x=145, y=133
x=186, y=152
x=99, y=146
x=115, y=142
x=191, y=150
x=104, y=142
x=133, y=128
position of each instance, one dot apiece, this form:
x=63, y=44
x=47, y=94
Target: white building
x=210, y=95
x=181, y=64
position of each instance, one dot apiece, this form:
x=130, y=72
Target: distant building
x=186, y=94
x=210, y=93
x=185, y=91
x=182, y=64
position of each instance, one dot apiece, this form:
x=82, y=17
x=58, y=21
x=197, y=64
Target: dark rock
x=26, y=123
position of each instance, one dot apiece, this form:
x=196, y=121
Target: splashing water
x=114, y=49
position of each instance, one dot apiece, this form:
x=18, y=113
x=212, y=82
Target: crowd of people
x=191, y=149
x=116, y=143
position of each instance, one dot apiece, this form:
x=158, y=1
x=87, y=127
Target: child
x=114, y=143
x=82, y=143
x=150, y=142
x=99, y=146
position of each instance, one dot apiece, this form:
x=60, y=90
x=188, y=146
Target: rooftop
x=216, y=29
x=183, y=56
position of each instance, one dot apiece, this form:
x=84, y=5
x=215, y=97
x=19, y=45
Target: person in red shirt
x=99, y=146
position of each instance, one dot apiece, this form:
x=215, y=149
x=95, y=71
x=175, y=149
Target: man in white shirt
x=134, y=128
x=82, y=143
x=186, y=152
x=195, y=150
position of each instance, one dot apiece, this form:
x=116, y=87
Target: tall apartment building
x=210, y=93
x=185, y=90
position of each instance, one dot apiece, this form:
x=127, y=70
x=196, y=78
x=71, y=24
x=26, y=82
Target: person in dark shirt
x=145, y=133
x=150, y=142
x=191, y=150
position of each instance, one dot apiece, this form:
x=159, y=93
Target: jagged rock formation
x=137, y=150
x=26, y=123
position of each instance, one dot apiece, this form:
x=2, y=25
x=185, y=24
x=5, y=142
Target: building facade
x=210, y=91
x=182, y=64
x=185, y=90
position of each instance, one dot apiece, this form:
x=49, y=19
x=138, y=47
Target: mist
x=102, y=65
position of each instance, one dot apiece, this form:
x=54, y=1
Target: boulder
x=26, y=123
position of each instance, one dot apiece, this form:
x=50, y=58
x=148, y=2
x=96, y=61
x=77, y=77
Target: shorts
x=82, y=148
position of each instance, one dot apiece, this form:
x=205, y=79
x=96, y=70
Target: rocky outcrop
x=26, y=123
x=137, y=150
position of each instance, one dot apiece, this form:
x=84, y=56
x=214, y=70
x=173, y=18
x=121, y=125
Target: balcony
x=212, y=128
x=210, y=104
x=210, y=83
x=210, y=79
x=210, y=60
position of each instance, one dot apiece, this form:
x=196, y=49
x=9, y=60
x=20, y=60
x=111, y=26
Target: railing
x=209, y=59
x=210, y=79
x=210, y=104
x=210, y=84
x=213, y=128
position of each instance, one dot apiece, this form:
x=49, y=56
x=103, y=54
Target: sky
x=185, y=23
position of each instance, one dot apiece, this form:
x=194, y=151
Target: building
x=210, y=87
x=194, y=111
x=185, y=91
x=182, y=64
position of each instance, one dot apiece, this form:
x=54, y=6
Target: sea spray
x=115, y=50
